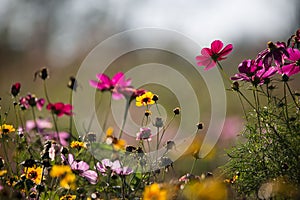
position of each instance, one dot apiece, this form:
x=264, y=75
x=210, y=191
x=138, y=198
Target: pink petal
x=117, y=96
x=117, y=78
x=212, y=64
x=207, y=52
x=227, y=50
x=91, y=176
x=294, y=54
x=216, y=46
x=104, y=79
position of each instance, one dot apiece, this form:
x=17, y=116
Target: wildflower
x=60, y=109
x=276, y=52
x=170, y=145
x=145, y=99
x=15, y=89
x=82, y=168
x=3, y=172
x=295, y=39
x=200, y=126
x=118, y=144
x=293, y=67
x=251, y=71
x=176, y=111
x=31, y=100
x=120, y=170
x=131, y=93
x=158, y=122
x=6, y=128
x=148, y=113
x=154, y=192
x=104, y=165
x=42, y=73
x=155, y=98
x=72, y=84
x=115, y=84
x=210, y=56
x=39, y=125
x=144, y=134
x=68, y=197
x=60, y=170
x=77, y=144
x=68, y=181
x=34, y=174
x=63, y=137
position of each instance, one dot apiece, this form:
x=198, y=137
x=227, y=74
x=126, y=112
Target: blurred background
x=60, y=34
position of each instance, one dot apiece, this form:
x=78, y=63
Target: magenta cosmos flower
x=115, y=84
x=210, y=56
x=251, y=71
x=275, y=52
x=31, y=100
x=144, y=134
x=60, y=109
x=293, y=65
x=82, y=168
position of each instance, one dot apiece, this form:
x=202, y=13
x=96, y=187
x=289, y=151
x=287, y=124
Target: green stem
x=193, y=166
x=6, y=157
x=125, y=117
x=224, y=73
x=293, y=97
x=93, y=116
x=164, y=129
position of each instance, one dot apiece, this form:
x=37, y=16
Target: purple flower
x=251, y=71
x=39, y=125
x=31, y=100
x=144, y=134
x=293, y=66
x=104, y=165
x=82, y=168
x=275, y=52
x=121, y=170
x=117, y=82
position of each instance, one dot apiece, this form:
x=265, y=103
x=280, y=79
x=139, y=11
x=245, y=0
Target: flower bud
x=200, y=126
x=235, y=86
x=15, y=89
x=176, y=111
x=72, y=84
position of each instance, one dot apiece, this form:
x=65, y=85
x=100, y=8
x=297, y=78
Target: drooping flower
x=275, y=52
x=145, y=99
x=60, y=109
x=34, y=174
x=82, y=168
x=5, y=129
x=251, y=71
x=210, y=56
x=144, y=134
x=293, y=65
x=15, y=89
x=31, y=100
x=154, y=191
x=115, y=84
x=43, y=73
x=295, y=39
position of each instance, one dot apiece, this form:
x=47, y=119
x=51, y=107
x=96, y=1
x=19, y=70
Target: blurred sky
x=62, y=30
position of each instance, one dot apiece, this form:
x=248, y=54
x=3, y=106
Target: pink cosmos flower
x=210, y=56
x=31, y=100
x=82, y=168
x=117, y=82
x=144, y=134
x=60, y=109
x=275, y=52
x=293, y=67
x=121, y=170
x=104, y=165
x=251, y=71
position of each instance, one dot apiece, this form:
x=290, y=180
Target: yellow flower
x=60, y=170
x=118, y=144
x=68, y=181
x=68, y=197
x=154, y=192
x=3, y=172
x=6, y=128
x=145, y=99
x=211, y=189
x=34, y=173
x=77, y=144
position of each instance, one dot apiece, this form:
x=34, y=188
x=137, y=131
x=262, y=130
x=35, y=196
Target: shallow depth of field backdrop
x=59, y=35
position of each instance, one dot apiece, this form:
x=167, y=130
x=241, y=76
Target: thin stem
x=46, y=92
x=164, y=129
x=71, y=117
x=6, y=157
x=246, y=99
x=293, y=97
x=224, y=73
x=125, y=117
x=94, y=114
x=193, y=166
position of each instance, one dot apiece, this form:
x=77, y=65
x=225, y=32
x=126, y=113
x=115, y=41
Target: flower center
x=5, y=130
x=146, y=100
x=32, y=175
